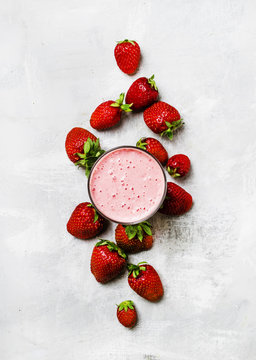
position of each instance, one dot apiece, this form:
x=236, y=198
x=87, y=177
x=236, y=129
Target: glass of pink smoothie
x=127, y=185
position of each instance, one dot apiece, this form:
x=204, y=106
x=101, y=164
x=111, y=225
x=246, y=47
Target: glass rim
x=125, y=147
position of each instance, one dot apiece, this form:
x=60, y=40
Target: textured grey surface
x=56, y=66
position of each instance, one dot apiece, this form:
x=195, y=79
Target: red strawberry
x=155, y=148
x=83, y=148
x=145, y=281
x=109, y=113
x=84, y=222
x=178, y=165
x=126, y=313
x=127, y=55
x=75, y=141
x=177, y=200
x=107, y=261
x=134, y=238
x=142, y=93
x=162, y=118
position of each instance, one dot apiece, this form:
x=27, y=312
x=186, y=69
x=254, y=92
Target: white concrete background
x=56, y=66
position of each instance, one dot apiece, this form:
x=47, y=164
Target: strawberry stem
x=126, y=40
x=173, y=172
x=136, y=269
x=152, y=82
x=126, y=107
x=142, y=144
x=125, y=305
x=92, y=151
x=119, y=103
x=138, y=230
x=120, y=100
x=171, y=128
x=112, y=247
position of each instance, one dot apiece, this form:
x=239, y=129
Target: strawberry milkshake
x=127, y=185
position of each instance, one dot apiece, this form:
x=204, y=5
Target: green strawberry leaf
x=138, y=230
x=130, y=231
x=140, y=233
x=173, y=172
x=126, y=107
x=171, y=128
x=87, y=146
x=121, y=99
x=119, y=103
x=82, y=156
x=147, y=229
x=102, y=242
x=141, y=144
x=87, y=172
x=96, y=216
x=147, y=223
x=169, y=134
x=112, y=247
x=92, y=151
x=152, y=83
x=96, y=144
x=126, y=40
x=176, y=124
x=115, y=105
x=135, y=269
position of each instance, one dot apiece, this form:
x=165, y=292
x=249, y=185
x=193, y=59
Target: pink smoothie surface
x=127, y=185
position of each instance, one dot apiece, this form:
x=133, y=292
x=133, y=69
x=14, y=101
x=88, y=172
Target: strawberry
x=109, y=113
x=178, y=165
x=134, y=238
x=142, y=93
x=83, y=148
x=162, y=118
x=84, y=222
x=145, y=281
x=155, y=148
x=177, y=200
x=127, y=55
x=90, y=154
x=126, y=313
x=107, y=261
x=75, y=141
